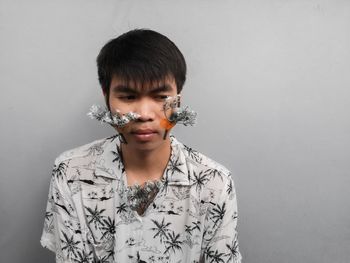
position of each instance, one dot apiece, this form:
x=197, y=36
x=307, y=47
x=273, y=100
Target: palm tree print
x=110, y=253
x=188, y=229
x=121, y=208
x=173, y=166
x=196, y=225
x=199, y=180
x=214, y=256
x=173, y=243
x=96, y=149
x=165, y=185
x=95, y=216
x=161, y=229
x=233, y=248
x=59, y=170
x=117, y=158
x=105, y=259
x=108, y=228
x=193, y=154
x=82, y=257
x=214, y=173
x=70, y=245
x=218, y=213
x=229, y=188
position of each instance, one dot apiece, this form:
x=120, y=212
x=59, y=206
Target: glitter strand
x=102, y=114
x=183, y=115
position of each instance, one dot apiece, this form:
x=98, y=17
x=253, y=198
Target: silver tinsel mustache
x=183, y=115
x=102, y=114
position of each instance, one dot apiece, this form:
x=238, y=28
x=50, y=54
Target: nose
x=146, y=109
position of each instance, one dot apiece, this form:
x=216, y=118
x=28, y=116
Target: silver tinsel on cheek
x=172, y=102
x=183, y=115
x=102, y=114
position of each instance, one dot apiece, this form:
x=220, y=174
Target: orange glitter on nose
x=166, y=124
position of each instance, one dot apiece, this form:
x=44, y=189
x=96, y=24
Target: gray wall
x=269, y=79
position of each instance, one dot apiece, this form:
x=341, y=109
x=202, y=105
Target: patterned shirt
x=193, y=217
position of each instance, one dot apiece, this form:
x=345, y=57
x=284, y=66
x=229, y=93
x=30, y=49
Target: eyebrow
x=123, y=89
x=127, y=89
x=162, y=88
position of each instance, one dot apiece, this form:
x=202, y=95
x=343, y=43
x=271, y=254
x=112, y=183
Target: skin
x=145, y=142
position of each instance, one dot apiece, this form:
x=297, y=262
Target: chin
x=146, y=145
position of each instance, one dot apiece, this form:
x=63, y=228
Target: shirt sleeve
x=220, y=240
x=62, y=233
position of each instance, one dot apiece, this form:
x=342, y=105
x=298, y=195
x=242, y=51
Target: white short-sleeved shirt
x=193, y=218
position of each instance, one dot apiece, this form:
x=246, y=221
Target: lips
x=144, y=135
x=143, y=131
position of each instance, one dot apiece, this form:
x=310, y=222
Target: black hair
x=140, y=56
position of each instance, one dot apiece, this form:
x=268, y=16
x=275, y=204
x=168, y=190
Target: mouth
x=144, y=134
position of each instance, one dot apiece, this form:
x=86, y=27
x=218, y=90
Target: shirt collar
x=109, y=164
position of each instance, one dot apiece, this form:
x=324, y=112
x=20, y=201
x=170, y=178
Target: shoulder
x=201, y=164
x=200, y=160
x=83, y=151
x=79, y=163
x=211, y=179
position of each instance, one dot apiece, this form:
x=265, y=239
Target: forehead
x=167, y=83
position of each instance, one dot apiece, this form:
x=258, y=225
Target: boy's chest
x=172, y=223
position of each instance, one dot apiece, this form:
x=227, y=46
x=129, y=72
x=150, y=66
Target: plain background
x=269, y=80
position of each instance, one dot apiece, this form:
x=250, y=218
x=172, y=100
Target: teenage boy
x=141, y=195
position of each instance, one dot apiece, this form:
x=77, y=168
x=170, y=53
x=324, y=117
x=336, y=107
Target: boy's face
x=147, y=132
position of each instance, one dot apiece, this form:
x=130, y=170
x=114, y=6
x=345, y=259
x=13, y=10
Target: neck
x=145, y=165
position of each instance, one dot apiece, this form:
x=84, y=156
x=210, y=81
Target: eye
x=161, y=97
x=128, y=97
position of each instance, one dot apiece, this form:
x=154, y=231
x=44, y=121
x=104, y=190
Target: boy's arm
x=62, y=233
x=220, y=241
